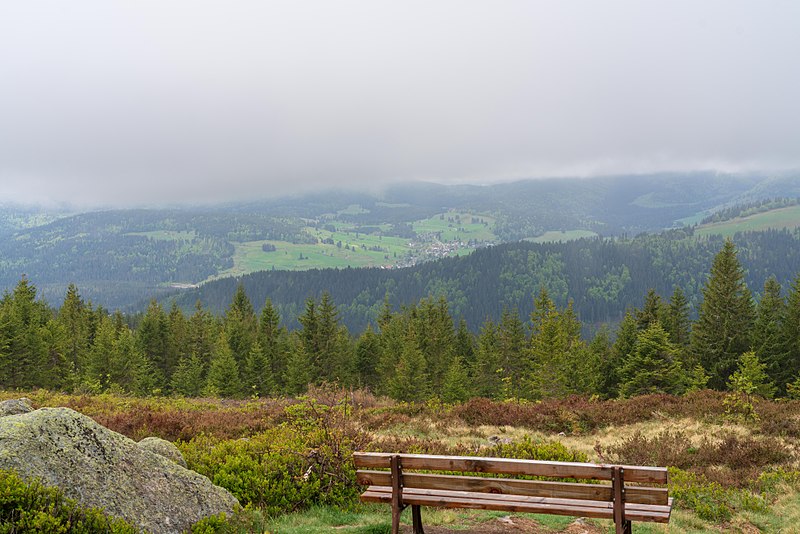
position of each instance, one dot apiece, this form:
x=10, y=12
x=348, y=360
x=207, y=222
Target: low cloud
x=125, y=103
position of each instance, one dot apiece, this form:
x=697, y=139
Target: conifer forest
x=416, y=353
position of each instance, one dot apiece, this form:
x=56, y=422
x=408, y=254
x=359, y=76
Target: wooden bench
x=618, y=500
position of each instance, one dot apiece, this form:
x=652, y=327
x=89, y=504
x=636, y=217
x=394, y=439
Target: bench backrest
x=368, y=462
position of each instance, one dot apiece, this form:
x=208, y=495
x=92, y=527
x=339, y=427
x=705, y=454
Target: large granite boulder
x=15, y=407
x=101, y=468
x=165, y=448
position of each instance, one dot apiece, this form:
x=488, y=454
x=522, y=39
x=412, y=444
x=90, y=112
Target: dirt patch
x=504, y=525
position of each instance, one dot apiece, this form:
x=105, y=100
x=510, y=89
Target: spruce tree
x=410, y=381
x=511, y=344
x=223, y=374
x=189, y=378
x=652, y=311
x=791, y=331
x=257, y=373
x=488, y=367
x=768, y=340
x=241, y=326
x=620, y=352
x=653, y=367
x=723, y=329
x=368, y=348
x=73, y=316
x=676, y=319
x=153, y=340
x=274, y=342
x=98, y=370
x=456, y=386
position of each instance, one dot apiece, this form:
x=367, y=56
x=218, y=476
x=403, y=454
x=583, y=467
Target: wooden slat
x=509, y=466
x=533, y=488
x=488, y=501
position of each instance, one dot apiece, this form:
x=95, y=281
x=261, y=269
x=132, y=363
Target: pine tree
x=723, y=329
x=676, y=319
x=153, y=341
x=465, y=344
x=653, y=367
x=201, y=335
x=768, y=340
x=559, y=356
x=456, y=386
x=435, y=337
x=241, y=326
x=25, y=349
x=620, y=352
x=410, y=381
x=298, y=369
x=257, y=372
x=652, y=311
x=189, y=378
x=600, y=352
x=98, y=370
x=751, y=377
x=274, y=341
x=488, y=367
x=177, y=337
x=791, y=330
x=223, y=374
x=514, y=356
x=368, y=348
x=74, y=317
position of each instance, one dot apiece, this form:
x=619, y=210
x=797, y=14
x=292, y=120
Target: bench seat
x=518, y=503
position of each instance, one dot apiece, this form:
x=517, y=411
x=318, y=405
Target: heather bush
x=732, y=461
x=578, y=415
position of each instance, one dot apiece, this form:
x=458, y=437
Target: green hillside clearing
x=773, y=219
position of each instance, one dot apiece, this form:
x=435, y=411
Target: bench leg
x=416, y=519
x=396, y=519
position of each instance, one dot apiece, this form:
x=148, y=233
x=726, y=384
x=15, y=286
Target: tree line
x=412, y=354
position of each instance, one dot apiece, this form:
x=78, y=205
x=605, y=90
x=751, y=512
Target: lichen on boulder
x=164, y=448
x=101, y=468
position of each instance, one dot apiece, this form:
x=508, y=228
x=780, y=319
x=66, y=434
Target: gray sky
x=137, y=101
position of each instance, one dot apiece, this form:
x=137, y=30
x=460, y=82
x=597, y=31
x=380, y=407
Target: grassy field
x=351, y=248
x=458, y=225
x=729, y=471
x=773, y=219
x=561, y=236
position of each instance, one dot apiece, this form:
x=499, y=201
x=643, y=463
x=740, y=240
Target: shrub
x=303, y=461
x=709, y=500
x=734, y=461
x=32, y=507
x=529, y=449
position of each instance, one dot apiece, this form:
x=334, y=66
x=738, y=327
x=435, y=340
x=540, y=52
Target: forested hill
x=603, y=277
x=120, y=256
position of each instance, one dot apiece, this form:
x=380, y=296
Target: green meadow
x=458, y=225
x=560, y=236
x=773, y=219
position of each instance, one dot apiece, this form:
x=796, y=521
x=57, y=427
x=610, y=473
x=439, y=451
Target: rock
x=15, y=407
x=163, y=447
x=100, y=468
